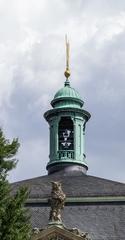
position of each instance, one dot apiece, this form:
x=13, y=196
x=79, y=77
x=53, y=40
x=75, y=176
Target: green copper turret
x=67, y=121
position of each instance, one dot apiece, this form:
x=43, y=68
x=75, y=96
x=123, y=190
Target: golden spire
x=67, y=72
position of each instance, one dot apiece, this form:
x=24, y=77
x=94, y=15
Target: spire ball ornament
x=67, y=71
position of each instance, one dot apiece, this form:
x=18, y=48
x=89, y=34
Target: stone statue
x=57, y=202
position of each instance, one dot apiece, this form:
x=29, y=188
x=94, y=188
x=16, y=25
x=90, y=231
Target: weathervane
x=67, y=71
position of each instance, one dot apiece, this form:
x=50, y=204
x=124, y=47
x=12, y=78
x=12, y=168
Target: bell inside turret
x=66, y=134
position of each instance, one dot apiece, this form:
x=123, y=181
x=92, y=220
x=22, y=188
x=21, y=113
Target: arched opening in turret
x=66, y=134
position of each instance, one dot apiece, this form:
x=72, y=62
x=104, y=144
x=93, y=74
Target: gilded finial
x=67, y=72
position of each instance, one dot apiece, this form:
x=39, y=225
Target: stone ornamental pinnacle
x=56, y=202
x=67, y=121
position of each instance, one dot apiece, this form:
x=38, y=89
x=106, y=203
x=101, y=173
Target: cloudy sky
x=32, y=62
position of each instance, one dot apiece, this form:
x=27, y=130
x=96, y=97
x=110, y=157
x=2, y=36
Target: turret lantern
x=67, y=121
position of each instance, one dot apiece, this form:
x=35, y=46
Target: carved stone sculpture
x=57, y=202
x=77, y=232
x=36, y=230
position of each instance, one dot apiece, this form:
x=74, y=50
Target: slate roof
x=75, y=184
x=102, y=220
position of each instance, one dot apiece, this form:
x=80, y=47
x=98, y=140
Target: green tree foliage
x=14, y=219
